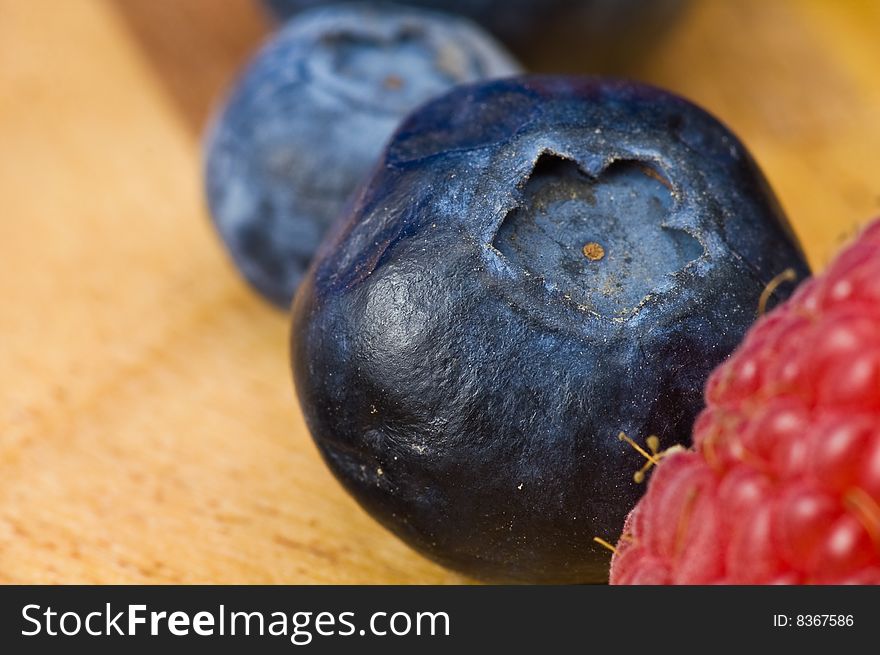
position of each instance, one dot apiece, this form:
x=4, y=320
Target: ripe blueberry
x=537, y=265
x=310, y=116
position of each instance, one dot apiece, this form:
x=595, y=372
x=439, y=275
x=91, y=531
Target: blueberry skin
x=309, y=117
x=579, y=35
x=465, y=367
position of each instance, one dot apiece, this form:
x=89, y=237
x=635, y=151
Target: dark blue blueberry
x=571, y=35
x=537, y=265
x=309, y=117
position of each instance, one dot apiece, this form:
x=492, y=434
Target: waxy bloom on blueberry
x=535, y=265
x=309, y=117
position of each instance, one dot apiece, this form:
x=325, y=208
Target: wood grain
x=148, y=427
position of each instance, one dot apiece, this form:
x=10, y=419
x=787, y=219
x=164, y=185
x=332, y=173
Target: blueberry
x=577, y=35
x=310, y=116
x=537, y=264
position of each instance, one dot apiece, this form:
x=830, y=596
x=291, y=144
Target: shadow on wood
x=195, y=46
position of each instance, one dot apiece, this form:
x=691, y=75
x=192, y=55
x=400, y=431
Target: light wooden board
x=148, y=427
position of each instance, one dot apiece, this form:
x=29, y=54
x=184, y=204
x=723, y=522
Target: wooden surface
x=148, y=427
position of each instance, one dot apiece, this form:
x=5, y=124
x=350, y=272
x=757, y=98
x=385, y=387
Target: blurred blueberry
x=538, y=264
x=554, y=35
x=309, y=117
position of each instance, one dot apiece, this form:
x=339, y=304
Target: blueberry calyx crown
x=602, y=242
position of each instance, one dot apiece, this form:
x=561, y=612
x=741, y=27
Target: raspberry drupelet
x=783, y=483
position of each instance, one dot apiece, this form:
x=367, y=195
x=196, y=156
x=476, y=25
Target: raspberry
x=783, y=482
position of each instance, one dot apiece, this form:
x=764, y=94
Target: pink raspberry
x=783, y=482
